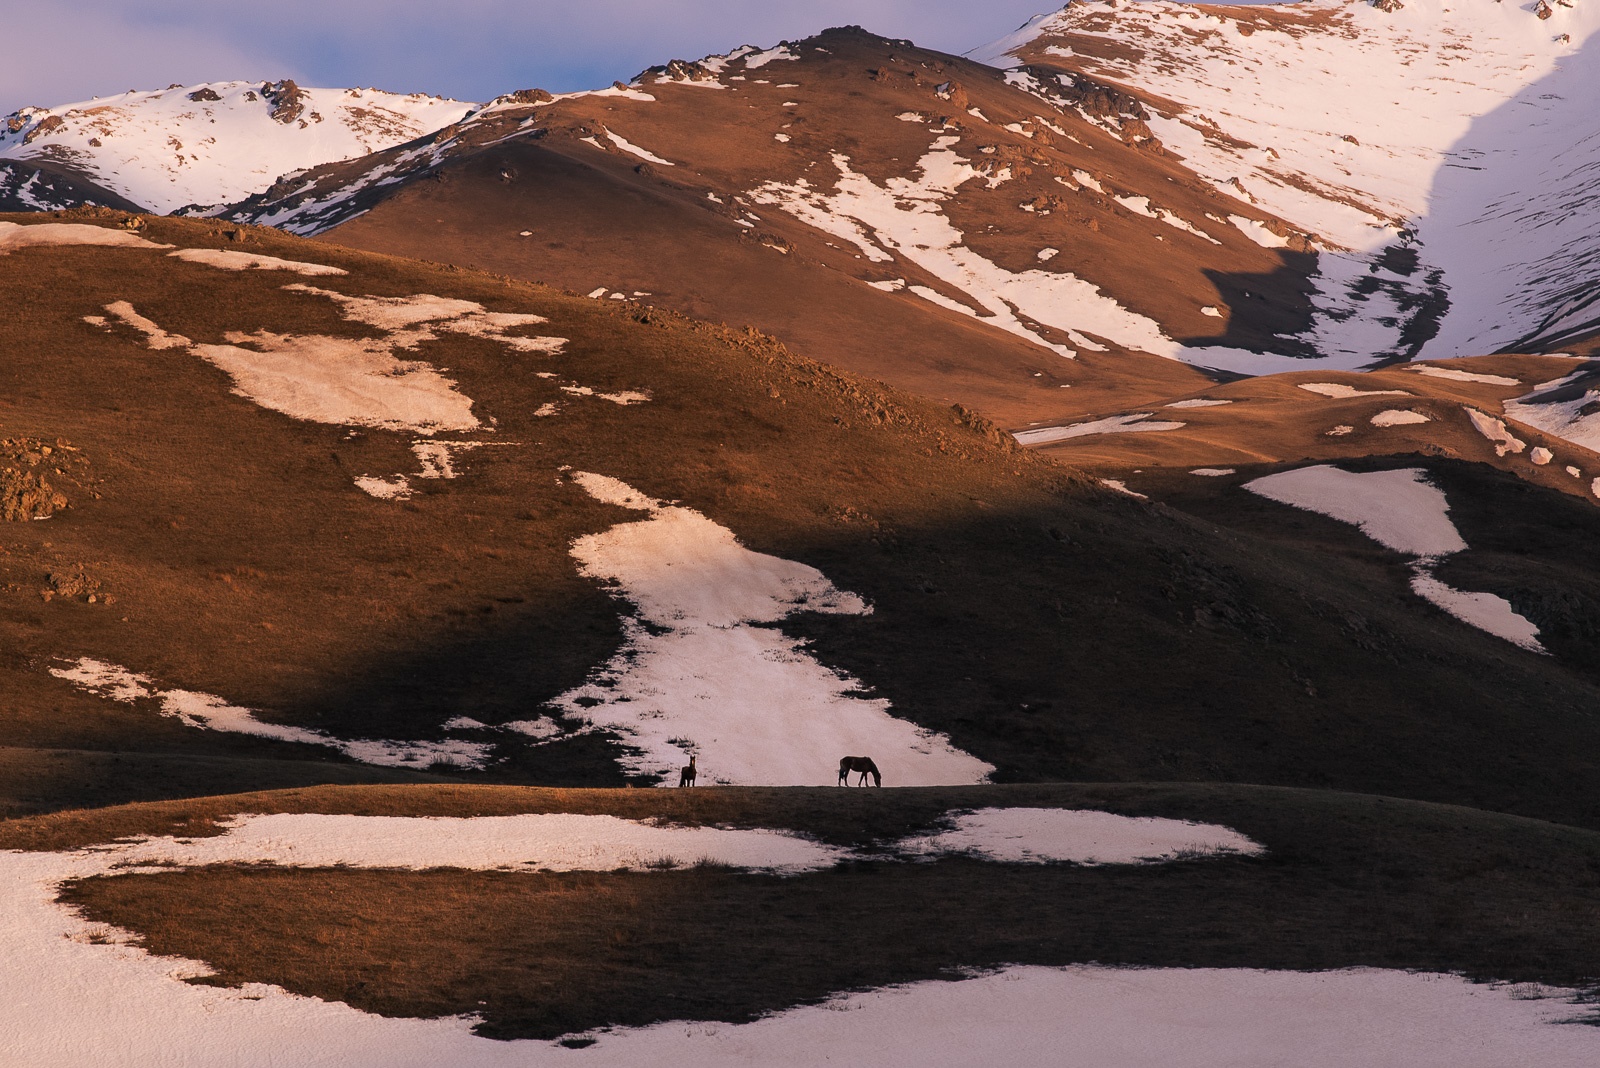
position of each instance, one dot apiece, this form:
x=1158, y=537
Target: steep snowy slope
x=204, y=144
x=1442, y=150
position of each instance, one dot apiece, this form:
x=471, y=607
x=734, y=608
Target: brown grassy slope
x=1525, y=544
x=543, y=203
x=1050, y=627
x=1348, y=881
x=34, y=780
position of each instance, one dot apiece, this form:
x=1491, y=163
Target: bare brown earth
x=1347, y=881
x=1050, y=626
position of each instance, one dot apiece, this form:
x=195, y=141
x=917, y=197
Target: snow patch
x=1213, y=472
x=1340, y=391
x=761, y=59
x=208, y=712
x=1495, y=430
x=1114, y=424
x=556, y=841
x=37, y=235
x=904, y=218
x=1466, y=376
x=227, y=260
x=1198, y=402
x=154, y=336
x=633, y=149
x=1043, y=835
x=1398, y=417
x=1400, y=509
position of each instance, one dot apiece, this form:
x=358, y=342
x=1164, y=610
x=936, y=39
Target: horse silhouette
x=686, y=774
x=862, y=764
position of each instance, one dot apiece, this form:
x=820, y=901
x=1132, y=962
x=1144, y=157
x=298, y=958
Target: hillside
x=420, y=579
x=1160, y=448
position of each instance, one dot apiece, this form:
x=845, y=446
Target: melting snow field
x=1403, y=511
x=703, y=671
x=1041, y=835
x=75, y=993
x=207, y=712
x=360, y=381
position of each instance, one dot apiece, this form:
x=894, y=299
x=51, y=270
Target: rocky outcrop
x=204, y=93
x=678, y=70
x=287, y=100
x=48, y=123
x=24, y=491
x=525, y=96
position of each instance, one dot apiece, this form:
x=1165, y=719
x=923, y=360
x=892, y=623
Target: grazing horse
x=862, y=764
x=686, y=774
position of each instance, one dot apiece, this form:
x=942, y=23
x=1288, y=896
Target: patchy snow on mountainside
x=1442, y=150
x=1402, y=510
x=702, y=671
x=217, y=143
x=903, y=217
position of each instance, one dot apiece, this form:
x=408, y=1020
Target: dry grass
x=1347, y=881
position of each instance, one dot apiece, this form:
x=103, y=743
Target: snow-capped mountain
x=1443, y=151
x=204, y=144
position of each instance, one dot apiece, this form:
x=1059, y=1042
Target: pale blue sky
x=72, y=50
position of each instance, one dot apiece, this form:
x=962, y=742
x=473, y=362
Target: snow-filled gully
x=1402, y=510
x=703, y=670
x=75, y=992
